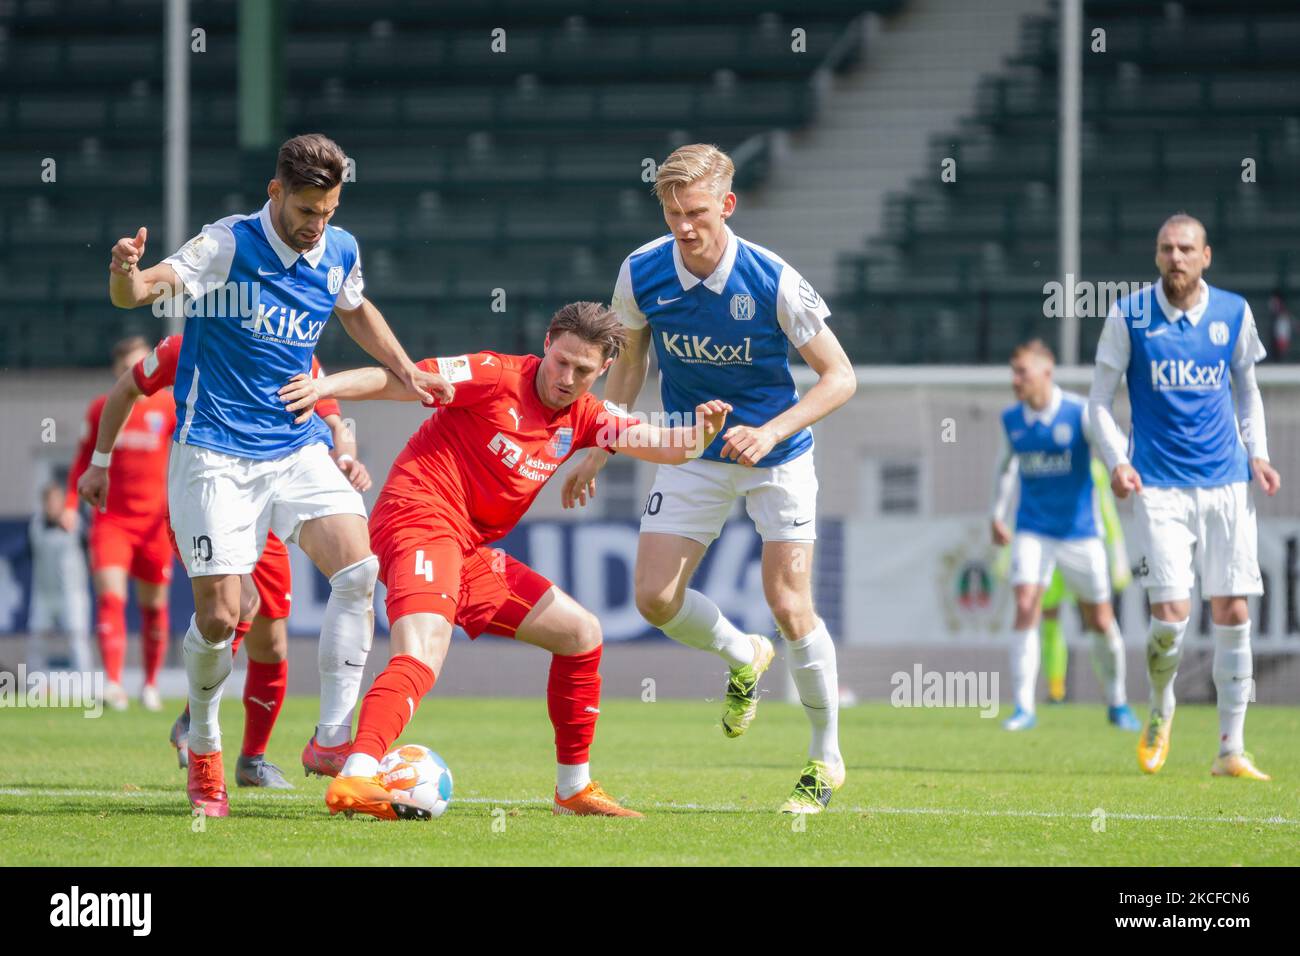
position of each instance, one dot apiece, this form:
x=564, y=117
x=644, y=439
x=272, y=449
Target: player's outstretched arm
x=674, y=446
x=345, y=453
x=836, y=383
x=302, y=392
x=129, y=285
x=92, y=486
x=369, y=329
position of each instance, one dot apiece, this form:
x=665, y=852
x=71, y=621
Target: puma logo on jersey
x=516, y=416
x=701, y=348
x=487, y=360
x=1186, y=375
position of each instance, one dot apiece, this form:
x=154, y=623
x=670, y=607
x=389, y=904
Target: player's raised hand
x=300, y=397
x=1266, y=475
x=1001, y=533
x=355, y=472
x=92, y=487
x=128, y=253
x=431, y=387
x=1125, y=479
x=580, y=483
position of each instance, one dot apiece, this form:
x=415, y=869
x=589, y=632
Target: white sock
x=700, y=624
x=207, y=666
x=571, y=777
x=359, y=765
x=1024, y=667
x=1233, y=679
x=1164, y=648
x=1108, y=663
x=346, y=632
x=812, y=665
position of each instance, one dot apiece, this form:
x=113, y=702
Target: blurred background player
x=59, y=587
x=1188, y=351
x=128, y=536
x=1048, y=439
x=1056, y=655
x=267, y=592
x=723, y=314
x=242, y=466
x=464, y=480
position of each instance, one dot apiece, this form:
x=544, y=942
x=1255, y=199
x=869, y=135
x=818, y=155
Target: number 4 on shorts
x=423, y=568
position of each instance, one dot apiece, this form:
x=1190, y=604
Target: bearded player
x=1189, y=350
x=262, y=288
x=265, y=593
x=723, y=314
x=463, y=481
x=128, y=536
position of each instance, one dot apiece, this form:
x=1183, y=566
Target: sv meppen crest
x=335, y=279
x=742, y=306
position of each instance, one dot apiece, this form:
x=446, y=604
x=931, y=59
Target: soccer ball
x=422, y=776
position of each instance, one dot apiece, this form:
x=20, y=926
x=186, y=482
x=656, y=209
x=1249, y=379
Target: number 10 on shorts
x=423, y=568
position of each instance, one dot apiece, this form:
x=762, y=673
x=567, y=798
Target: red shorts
x=142, y=549
x=484, y=590
x=271, y=576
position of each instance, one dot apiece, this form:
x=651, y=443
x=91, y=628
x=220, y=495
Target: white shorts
x=1183, y=532
x=693, y=500
x=1083, y=563
x=223, y=505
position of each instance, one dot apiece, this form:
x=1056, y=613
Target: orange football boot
x=349, y=795
x=592, y=801
x=206, y=784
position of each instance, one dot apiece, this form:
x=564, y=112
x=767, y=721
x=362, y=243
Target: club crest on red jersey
x=560, y=443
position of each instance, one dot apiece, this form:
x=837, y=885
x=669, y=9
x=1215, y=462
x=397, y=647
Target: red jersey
x=157, y=371
x=481, y=460
x=137, y=475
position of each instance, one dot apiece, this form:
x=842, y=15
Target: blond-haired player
x=722, y=315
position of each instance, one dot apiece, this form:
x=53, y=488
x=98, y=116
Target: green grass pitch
x=924, y=787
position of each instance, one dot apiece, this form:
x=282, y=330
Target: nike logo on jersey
x=263, y=273
x=800, y=524
x=1152, y=333
x=662, y=301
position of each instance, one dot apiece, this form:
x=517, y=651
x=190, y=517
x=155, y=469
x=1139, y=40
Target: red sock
x=154, y=626
x=390, y=704
x=263, y=696
x=110, y=612
x=241, y=629
x=573, y=701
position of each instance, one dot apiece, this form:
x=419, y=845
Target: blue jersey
x=1054, y=458
x=257, y=309
x=725, y=337
x=1184, y=420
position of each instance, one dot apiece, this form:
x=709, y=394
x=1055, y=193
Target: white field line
x=178, y=795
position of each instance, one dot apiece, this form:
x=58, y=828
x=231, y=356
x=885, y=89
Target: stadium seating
x=476, y=171
x=1183, y=94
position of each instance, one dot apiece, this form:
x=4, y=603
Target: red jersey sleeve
x=157, y=370
x=603, y=423
x=326, y=406
x=89, y=434
x=476, y=377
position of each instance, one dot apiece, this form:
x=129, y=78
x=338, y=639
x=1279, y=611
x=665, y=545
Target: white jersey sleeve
x=350, y=296
x=203, y=263
x=1005, y=481
x=1114, y=347
x=1249, y=348
x=800, y=311
x=623, y=302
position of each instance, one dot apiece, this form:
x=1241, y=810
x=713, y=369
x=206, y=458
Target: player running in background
x=1056, y=656
x=263, y=286
x=1048, y=439
x=723, y=315
x=264, y=604
x=128, y=537
x=1189, y=352
x=58, y=601
x=464, y=480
